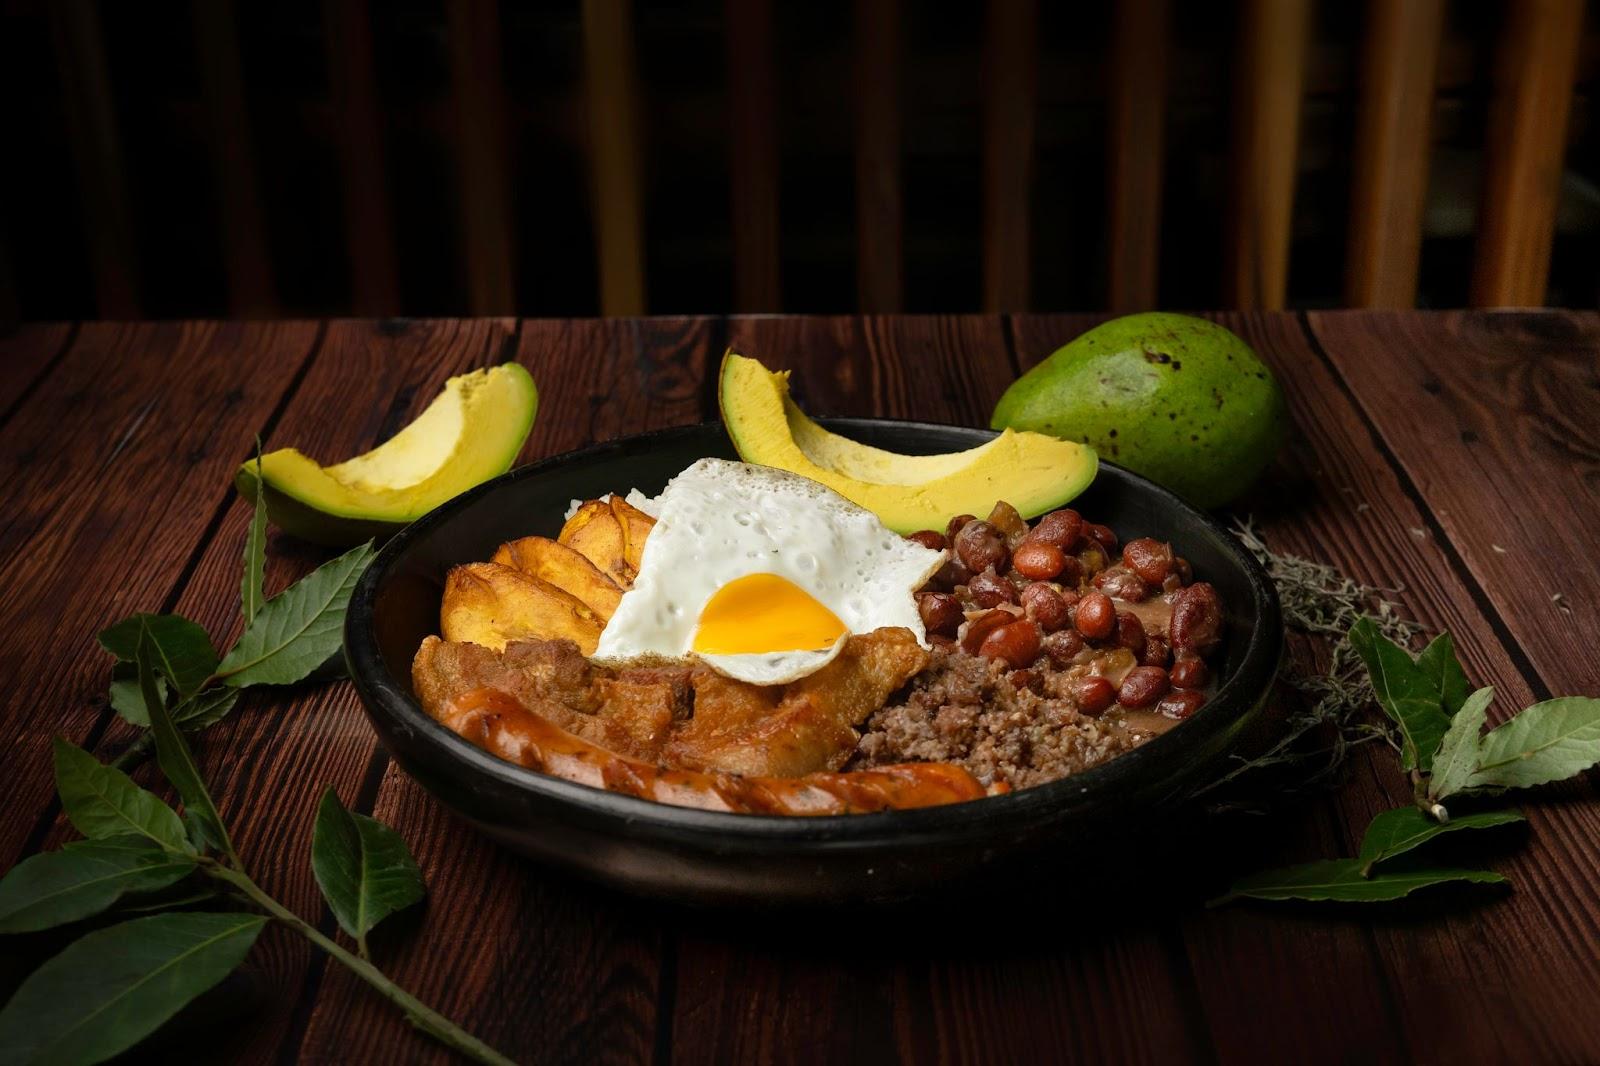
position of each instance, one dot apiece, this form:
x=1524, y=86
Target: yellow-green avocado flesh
x=1032, y=472
x=471, y=432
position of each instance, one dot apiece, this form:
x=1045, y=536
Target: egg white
x=718, y=521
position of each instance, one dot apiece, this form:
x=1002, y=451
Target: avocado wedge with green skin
x=1033, y=473
x=471, y=432
x=1181, y=400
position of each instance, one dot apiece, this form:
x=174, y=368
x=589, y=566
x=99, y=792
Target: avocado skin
x=1181, y=400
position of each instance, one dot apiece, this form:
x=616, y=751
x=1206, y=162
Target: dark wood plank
x=482, y=164
x=1400, y=62
x=753, y=155
x=247, y=259
x=368, y=225
x=1493, y=418
x=113, y=475
x=97, y=156
x=1418, y=986
x=1135, y=165
x=1010, y=105
x=543, y=968
x=758, y=991
x=25, y=353
x=1274, y=40
x=880, y=267
x=610, y=81
x=1524, y=148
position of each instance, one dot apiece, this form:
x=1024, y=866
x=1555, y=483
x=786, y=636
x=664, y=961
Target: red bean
x=1130, y=633
x=1093, y=695
x=941, y=613
x=1045, y=606
x=1142, y=686
x=1062, y=647
x=928, y=538
x=1016, y=643
x=1122, y=584
x=1038, y=560
x=951, y=574
x=981, y=547
x=1060, y=528
x=1196, y=619
x=1103, y=534
x=955, y=524
x=976, y=629
x=989, y=590
x=1156, y=652
x=1095, y=617
x=1190, y=673
x=1071, y=571
x=1150, y=559
x=1181, y=703
x=1025, y=679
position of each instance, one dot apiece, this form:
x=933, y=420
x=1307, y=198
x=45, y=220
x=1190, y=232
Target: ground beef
x=1019, y=727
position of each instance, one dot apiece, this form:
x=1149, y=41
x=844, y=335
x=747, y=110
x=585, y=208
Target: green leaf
x=1547, y=742
x=298, y=630
x=206, y=707
x=183, y=651
x=251, y=585
x=1398, y=831
x=1458, y=751
x=177, y=762
x=83, y=879
x=1439, y=664
x=1342, y=880
x=115, y=986
x=125, y=697
x=1405, y=693
x=102, y=801
x=364, y=869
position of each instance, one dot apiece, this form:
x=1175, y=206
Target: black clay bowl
x=710, y=857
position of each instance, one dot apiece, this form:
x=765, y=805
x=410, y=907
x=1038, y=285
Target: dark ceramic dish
x=711, y=857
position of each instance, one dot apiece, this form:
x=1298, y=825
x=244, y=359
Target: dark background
x=167, y=160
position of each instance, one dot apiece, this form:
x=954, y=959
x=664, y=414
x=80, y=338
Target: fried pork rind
x=595, y=533
x=565, y=568
x=491, y=604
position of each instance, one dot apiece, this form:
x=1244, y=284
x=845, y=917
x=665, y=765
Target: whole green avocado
x=1181, y=400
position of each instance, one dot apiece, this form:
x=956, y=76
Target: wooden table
x=1455, y=457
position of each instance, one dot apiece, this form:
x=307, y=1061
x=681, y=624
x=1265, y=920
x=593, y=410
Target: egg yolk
x=764, y=613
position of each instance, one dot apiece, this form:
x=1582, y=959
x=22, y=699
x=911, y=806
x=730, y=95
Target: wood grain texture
x=753, y=155
x=482, y=159
x=1417, y=986
x=102, y=512
x=368, y=223
x=543, y=968
x=97, y=156
x=1274, y=39
x=246, y=254
x=1399, y=66
x=880, y=265
x=1136, y=128
x=1010, y=105
x=26, y=354
x=1524, y=148
x=1492, y=415
x=610, y=78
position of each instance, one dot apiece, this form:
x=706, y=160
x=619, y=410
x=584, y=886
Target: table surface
x=1452, y=456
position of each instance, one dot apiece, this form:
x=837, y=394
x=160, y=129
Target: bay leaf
x=1398, y=831
x=115, y=986
x=206, y=707
x=363, y=867
x=1547, y=742
x=177, y=762
x=1460, y=749
x=183, y=651
x=1341, y=880
x=83, y=879
x=298, y=630
x=1404, y=692
x=102, y=801
x=1440, y=666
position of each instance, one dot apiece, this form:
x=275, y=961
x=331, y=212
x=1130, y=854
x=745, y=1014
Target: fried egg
x=762, y=574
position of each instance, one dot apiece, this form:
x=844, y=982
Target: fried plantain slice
x=491, y=604
x=596, y=534
x=565, y=568
x=636, y=526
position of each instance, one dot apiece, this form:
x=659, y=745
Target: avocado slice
x=1032, y=472
x=471, y=432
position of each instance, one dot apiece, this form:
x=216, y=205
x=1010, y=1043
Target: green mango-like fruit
x=1181, y=400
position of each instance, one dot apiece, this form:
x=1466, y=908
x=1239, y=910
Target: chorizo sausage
x=501, y=725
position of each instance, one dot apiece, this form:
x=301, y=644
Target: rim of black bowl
x=381, y=691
